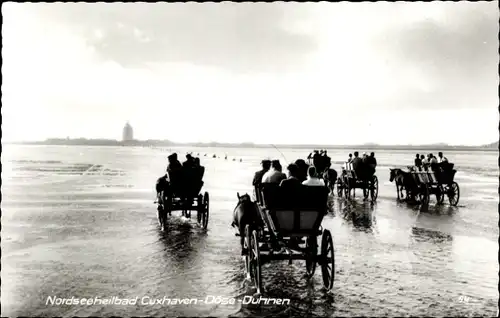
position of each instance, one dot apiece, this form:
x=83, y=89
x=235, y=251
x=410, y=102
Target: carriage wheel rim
x=374, y=190
x=206, y=206
x=454, y=194
x=256, y=261
x=248, y=256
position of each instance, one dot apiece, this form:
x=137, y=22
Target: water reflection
x=178, y=241
x=426, y=235
x=182, y=248
x=361, y=214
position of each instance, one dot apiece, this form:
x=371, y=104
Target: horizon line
x=242, y=143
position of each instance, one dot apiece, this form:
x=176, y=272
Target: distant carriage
x=426, y=182
x=289, y=221
x=350, y=180
x=324, y=172
x=184, y=195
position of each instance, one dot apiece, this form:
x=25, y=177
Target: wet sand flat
x=80, y=222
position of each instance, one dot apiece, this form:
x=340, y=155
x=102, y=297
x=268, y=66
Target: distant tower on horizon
x=128, y=132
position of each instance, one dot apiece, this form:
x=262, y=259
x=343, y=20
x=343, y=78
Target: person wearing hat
x=173, y=163
x=174, y=169
x=292, y=182
x=257, y=179
x=275, y=174
x=189, y=163
x=163, y=183
x=303, y=166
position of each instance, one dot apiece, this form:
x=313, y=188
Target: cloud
x=246, y=37
x=455, y=57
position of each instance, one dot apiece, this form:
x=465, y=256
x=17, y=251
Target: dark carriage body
x=438, y=182
x=184, y=194
x=350, y=180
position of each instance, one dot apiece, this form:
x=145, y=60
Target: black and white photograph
x=250, y=159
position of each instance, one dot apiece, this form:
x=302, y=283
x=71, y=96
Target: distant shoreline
x=166, y=144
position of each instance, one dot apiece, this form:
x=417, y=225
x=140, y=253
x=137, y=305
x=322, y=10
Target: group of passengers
x=320, y=160
x=179, y=176
x=364, y=166
x=435, y=163
x=299, y=173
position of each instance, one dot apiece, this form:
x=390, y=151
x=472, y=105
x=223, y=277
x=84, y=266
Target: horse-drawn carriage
x=289, y=223
x=184, y=194
x=352, y=180
x=419, y=185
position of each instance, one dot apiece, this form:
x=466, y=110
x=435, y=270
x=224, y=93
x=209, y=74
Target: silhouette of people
x=350, y=158
x=418, y=161
x=266, y=166
x=303, y=166
x=292, y=182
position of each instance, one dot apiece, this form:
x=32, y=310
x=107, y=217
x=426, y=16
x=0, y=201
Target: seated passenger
x=174, y=169
x=312, y=179
x=274, y=175
x=357, y=163
x=189, y=161
x=316, y=158
x=432, y=159
x=199, y=167
x=350, y=158
x=190, y=182
x=418, y=161
x=370, y=165
x=425, y=162
x=257, y=179
x=442, y=158
x=173, y=163
x=292, y=181
x=433, y=163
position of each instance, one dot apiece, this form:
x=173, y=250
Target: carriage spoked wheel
x=200, y=208
x=374, y=188
x=423, y=194
x=339, y=188
x=439, y=194
x=327, y=260
x=255, y=264
x=206, y=206
x=311, y=255
x=453, y=193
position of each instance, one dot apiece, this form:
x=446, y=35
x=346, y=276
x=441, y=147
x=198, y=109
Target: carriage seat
x=188, y=182
x=297, y=211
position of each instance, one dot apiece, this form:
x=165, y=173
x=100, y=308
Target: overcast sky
x=331, y=73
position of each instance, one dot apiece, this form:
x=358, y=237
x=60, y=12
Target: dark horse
x=330, y=177
x=403, y=181
x=246, y=213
